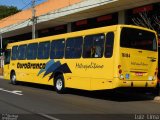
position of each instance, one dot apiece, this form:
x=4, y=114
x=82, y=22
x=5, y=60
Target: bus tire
x=59, y=84
x=13, y=78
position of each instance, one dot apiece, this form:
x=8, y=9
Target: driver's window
x=7, y=56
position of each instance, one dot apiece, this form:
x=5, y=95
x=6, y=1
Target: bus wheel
x=59, y=84
x=13, y=78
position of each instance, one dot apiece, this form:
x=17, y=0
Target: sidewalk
x=1, y=76
x=157, y=99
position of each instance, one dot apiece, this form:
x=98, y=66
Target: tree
x=6, y=11
x=148, y=21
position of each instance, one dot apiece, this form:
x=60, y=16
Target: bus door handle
x=140, y=51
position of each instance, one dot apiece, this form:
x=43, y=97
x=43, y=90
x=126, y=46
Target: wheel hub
x=59, y=84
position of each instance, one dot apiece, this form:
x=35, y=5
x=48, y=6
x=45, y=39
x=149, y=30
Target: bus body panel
x=26, y=74
x=139, y=65
x=7, y=72
x=89, y=74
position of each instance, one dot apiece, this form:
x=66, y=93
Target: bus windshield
x=138, y=39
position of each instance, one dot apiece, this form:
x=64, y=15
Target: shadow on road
x=119, y=95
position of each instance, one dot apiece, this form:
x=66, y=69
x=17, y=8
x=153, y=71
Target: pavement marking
x=48, y=116
x=16, y=92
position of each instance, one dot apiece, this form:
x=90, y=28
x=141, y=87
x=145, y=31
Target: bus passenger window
x=22, y=52
x=57, y=49
x=73, y=47
x=14, y=52
x=109, y=44
x=43, y=50
x=93, y=46
x=32, y=51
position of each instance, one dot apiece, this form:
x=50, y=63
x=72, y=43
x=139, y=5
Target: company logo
x=31, y=65
x=53, y=67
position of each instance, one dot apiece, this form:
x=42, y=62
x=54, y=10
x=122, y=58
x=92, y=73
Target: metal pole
x=33, y=19
x=1, y=49
x=158, y=88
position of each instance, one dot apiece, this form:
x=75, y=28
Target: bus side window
x=93, y=46
x=57, y=49
x=43, y=50
x=109, y=44
x=7, y=56
x=32, y=51
x=22, y=52
x=73, y=47
x=14, y=52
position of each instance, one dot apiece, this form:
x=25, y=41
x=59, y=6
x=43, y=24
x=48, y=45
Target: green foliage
x=6, y=11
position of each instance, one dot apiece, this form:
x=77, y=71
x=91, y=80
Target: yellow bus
x=95, y=59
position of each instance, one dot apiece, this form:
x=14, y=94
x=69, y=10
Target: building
x=56, y=17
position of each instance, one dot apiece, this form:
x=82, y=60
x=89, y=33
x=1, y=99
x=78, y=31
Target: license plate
x=139, y=74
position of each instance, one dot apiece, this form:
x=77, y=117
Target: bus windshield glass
x=138, y=39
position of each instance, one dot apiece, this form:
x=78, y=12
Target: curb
x=157, y=98
x=2, y=77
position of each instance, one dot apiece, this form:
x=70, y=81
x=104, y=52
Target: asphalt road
x=39, y=102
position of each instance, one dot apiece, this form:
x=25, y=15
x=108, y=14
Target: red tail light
x=120, y=71
x=119, y=67
x=156, y=71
